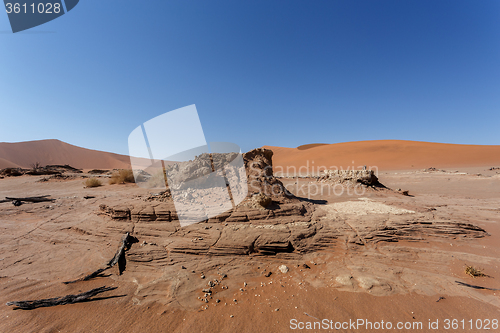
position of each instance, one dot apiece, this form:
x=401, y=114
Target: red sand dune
x=7, y=164
x=23, y=154
x=386, y=155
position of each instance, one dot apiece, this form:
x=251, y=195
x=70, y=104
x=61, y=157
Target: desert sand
x=386, y=155
x=367, y=253
x=24, y=154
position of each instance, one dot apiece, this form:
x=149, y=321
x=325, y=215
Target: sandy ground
x=44, y=244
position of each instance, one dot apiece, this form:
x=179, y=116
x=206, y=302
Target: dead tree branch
x=119, y=257
x=68, y=299
x=30, y=199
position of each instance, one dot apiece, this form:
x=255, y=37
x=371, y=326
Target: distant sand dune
x=387, y=155
x=383, y=154
x=7, y=164
x=23, y=154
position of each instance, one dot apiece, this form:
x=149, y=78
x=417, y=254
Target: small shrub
x=35, y=166
x=122, y=176
x=92, y=182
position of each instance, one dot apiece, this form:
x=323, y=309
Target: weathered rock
x=259, y=168
x=273, y=241
x=283, y=269
x=366, y=177
x=117, y=212
x=235, y=240
x=260, y=201
x=11, y=172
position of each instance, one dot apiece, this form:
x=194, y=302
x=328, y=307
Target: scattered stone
x=244, y=284
x=217, y=300
x=260, y=201
x=202, y=276
x=163, y=196
x=306, y=266
x=211, y=284
x=183, y=267
x=231, y=316
x=283, y=269
x=277, y=309
x=268, y=274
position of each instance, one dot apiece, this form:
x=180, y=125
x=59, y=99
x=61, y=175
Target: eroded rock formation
x=273, y=222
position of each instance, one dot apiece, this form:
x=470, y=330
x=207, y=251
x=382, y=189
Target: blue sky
x=281, y=73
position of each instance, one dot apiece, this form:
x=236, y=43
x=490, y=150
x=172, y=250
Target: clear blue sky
x=260, y=72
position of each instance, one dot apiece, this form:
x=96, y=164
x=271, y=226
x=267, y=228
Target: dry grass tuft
x=122, y=176
x=92, y=182
x=474, y=272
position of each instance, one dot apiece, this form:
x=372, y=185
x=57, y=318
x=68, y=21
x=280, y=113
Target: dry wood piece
x=30, y=199
x=68, y=299
x=119, y=258
x=126, y=242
